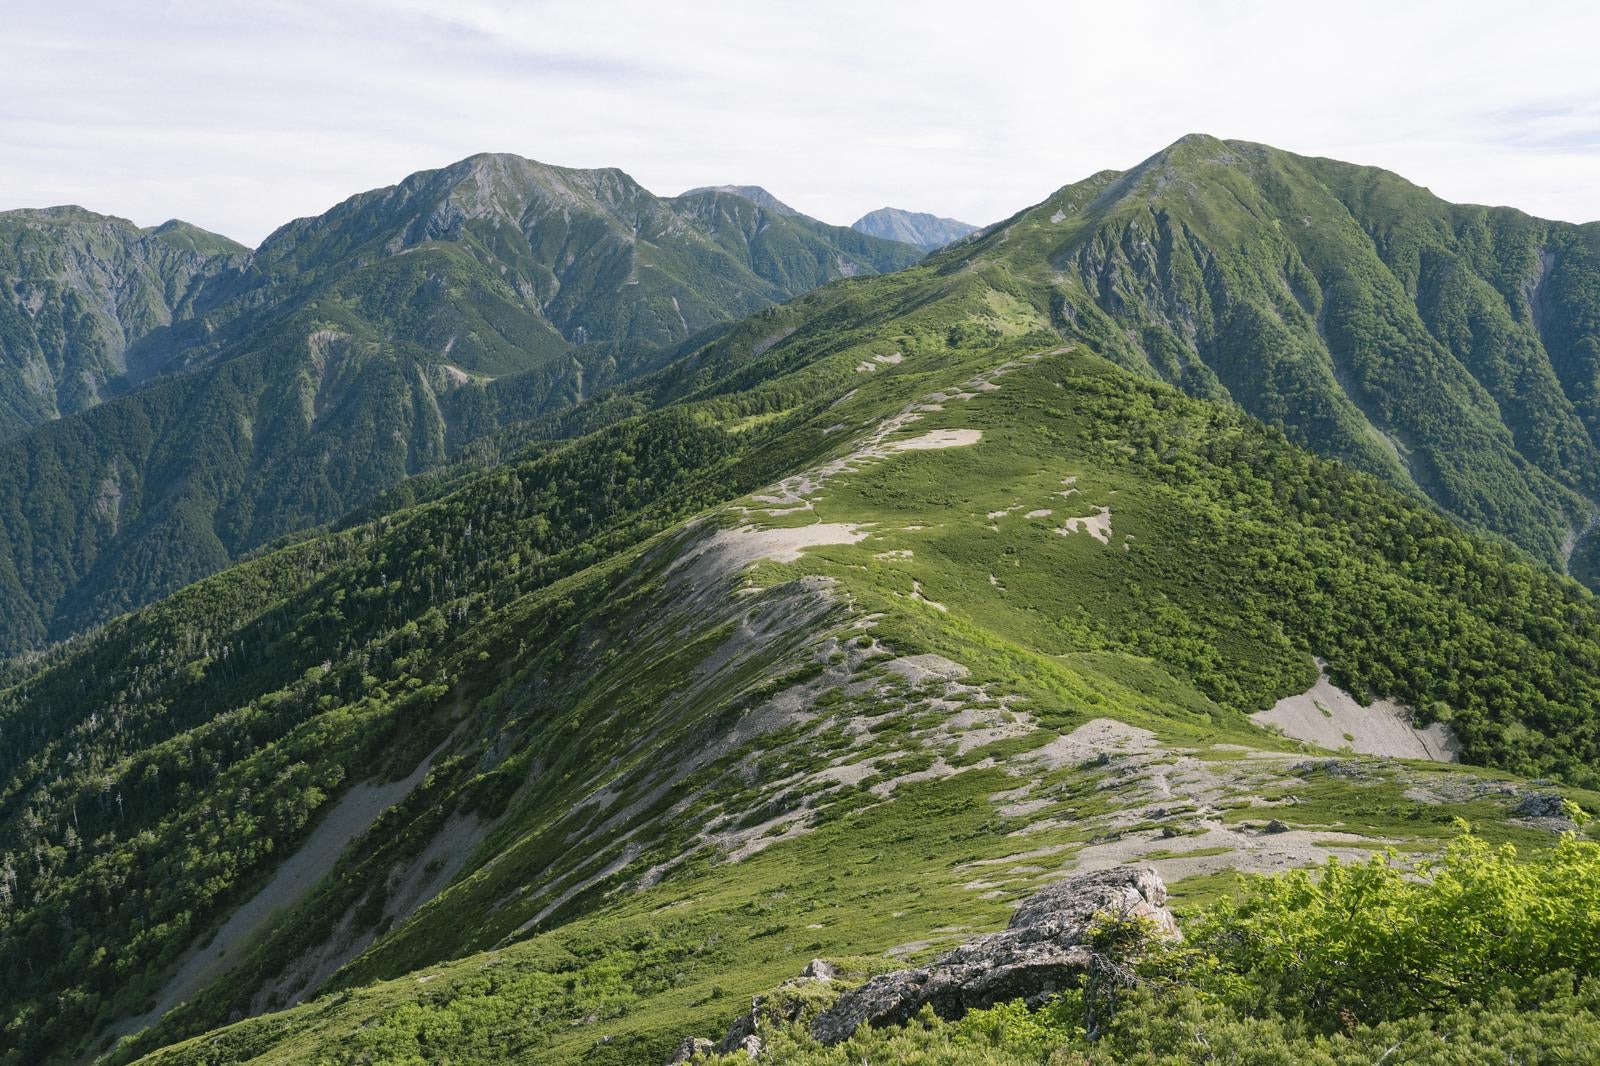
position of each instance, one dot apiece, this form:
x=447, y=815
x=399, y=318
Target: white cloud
x=242, y=116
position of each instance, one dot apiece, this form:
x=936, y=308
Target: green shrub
x=1379, y=940
x=1481, y=955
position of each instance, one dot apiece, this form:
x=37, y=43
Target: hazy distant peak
x=754, y=193
x=912, y=227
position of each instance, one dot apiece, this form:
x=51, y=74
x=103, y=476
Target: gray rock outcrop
x=688, y=1048
x=1540, y=805
x=1045, y=949
x=744, y=1033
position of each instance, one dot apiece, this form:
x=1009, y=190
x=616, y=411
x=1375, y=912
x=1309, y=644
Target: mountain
x=834, y=636
x=925, y=231
x=779, y=242
x=754, y=193
x=79, y=292
x=592, y=252
x=276, y=390
x=1450, y=349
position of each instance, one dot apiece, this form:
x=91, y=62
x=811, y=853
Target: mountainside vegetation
x=284, y=387
x=79, y=292
x=1368, y=963
x=863, y=619
x=1452, y=350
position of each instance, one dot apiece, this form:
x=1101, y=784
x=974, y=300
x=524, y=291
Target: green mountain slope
x=781, y=244
x=1449, y=349
x=368, y=344
x=860, y=621
x=929, y=232
x=78, y=291
x=599, y=256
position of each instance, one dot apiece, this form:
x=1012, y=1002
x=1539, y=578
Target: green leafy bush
x=1480, y=955
x=1378, y=941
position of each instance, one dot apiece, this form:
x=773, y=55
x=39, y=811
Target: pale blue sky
x=240, y=116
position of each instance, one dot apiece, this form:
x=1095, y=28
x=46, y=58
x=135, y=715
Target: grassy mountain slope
x=77, y=290
x=1449, y=349
x=889, y=606
x=368, y=344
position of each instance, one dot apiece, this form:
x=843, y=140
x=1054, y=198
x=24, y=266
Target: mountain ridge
x=375, y=341
x=863, y=616
x=756, y=194
x=81, y=290
x=1219, y=322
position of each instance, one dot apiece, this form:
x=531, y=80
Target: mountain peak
x=754, y=193
x=507, y=183
x=1198, y=149
x=60, y=213
x=189, y=237
x=917, y=228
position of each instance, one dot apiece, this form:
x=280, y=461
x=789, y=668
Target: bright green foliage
x=575, y=677
x=661, y=779
x=1377, y=941
x=1181, y=1027
x=1479, y=955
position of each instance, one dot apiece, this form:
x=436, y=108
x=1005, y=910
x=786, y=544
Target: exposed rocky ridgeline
x=928, y=232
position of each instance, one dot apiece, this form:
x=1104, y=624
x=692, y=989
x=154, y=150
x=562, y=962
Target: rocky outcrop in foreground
x=1044, y=950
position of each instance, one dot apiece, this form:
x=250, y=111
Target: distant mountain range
x=173, y=400
x=912, y=227
x=916, y=228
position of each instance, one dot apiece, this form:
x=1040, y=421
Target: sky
x=240, y=116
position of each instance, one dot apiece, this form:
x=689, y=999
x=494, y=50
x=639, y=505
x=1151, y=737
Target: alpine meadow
x=515, y=616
